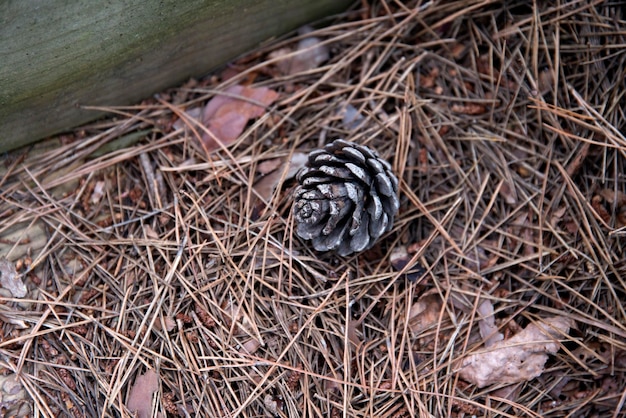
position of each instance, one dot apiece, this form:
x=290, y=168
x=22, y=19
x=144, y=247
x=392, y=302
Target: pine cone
x=347, y=198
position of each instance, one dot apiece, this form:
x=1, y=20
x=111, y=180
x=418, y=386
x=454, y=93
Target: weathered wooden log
x=59, y=55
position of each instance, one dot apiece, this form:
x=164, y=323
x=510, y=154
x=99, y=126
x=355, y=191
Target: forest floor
x=156, y=270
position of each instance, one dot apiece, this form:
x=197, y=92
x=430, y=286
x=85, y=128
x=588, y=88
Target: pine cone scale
x=338, y=172
x=354, y=154
x=359, y=173
x=384, y=185
x=338, y=210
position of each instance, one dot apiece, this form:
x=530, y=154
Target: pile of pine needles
x=161, y=279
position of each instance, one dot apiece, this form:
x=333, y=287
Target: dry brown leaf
x=267, y=184
x=606, y=200
x=268, y=166
x=98, y=192
x=598, y=206
x=168, y=324
x=150, y=232
x=353, y=332
x=487, y=324
x=226, y=115
x=12, y=396
x=508, y=192
x=425, y=312
x=140, y=397
x=309, y=54
x=272, y=404
x=557, y=215
x=191, y=113
x=574, y=165
x=250, y=346
x=10, y=280
x=235, y=313
x=613, y=197
x=520, y=358
x=545, y=81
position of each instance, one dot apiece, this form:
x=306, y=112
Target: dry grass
x=506, y=125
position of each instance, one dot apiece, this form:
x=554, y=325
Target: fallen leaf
x=400, y=258
x=612, y=197
x=332, y=383
x=508, y=192
x=10, y=280
x=597, y=202
x=12, y=396
x=612, y=200
x=545, y=81
x=150, y=233
x=309, y=54
x=351, y=118
x=168, y=324
x=487, y=324
x=226, y=115
x=272, y=404
x=140, y=397
x=425, y=312
x=98, y=192
x=353, y=332
x=575, y=164
x=267, y=184
x=235, y=313
x=557, y=215
x=250, y=346
x=268, y=166
x=191, y=113
x=520, y=358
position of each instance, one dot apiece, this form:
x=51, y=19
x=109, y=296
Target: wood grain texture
x=59, y=55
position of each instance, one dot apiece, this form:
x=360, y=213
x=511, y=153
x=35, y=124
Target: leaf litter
x=309, y=53
x=517, y=359
x=140, y=397
x=161, y=256
x=487, y=324
x=10, y=279
x=225, y=116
